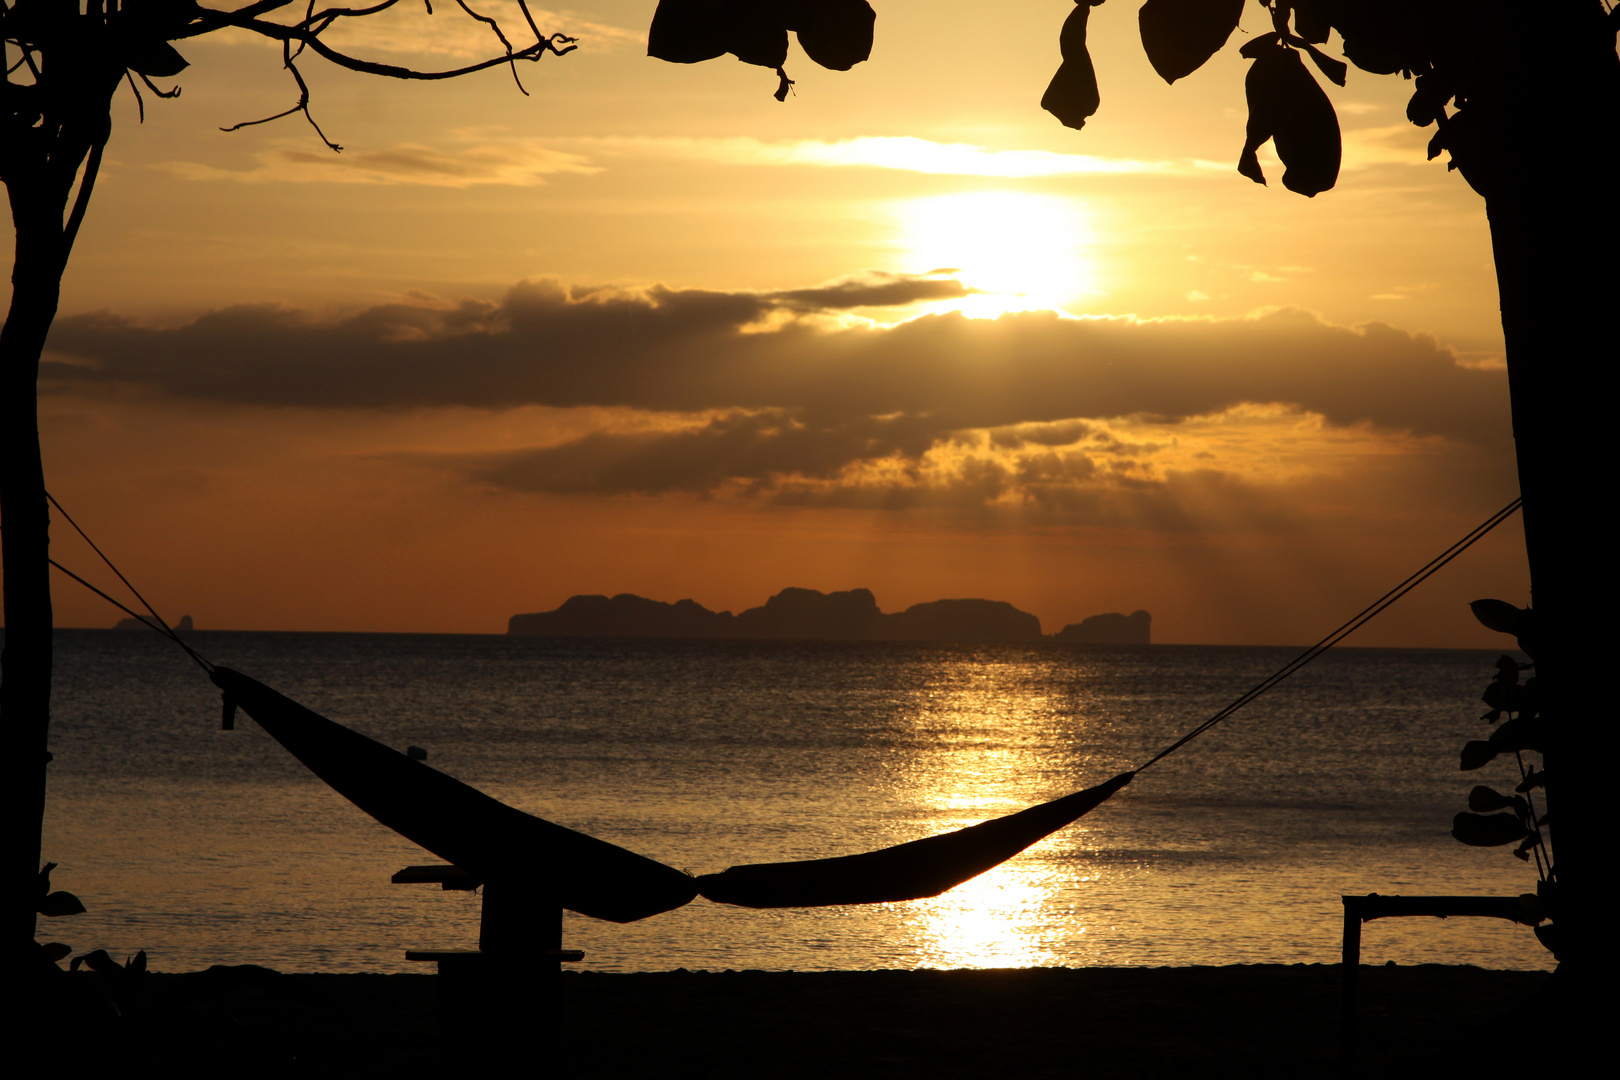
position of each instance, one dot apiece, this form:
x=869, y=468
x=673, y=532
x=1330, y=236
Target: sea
x=203, y=846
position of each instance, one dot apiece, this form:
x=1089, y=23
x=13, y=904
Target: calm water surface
x=203, y=846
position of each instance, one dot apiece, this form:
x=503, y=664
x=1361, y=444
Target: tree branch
x=306, y=37
x=81, y=203
x=301, y=107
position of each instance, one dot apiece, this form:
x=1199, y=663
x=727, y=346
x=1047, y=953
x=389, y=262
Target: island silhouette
x=796, y=614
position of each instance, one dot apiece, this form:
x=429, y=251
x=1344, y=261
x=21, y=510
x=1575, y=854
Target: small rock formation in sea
x=792, y=614
x=183, y=626
x=1110, y=629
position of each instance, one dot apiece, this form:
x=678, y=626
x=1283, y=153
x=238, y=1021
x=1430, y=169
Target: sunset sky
x=649, y=330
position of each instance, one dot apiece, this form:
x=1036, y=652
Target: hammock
x=496, y=842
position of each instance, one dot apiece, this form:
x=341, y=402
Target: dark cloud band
x=690, y=350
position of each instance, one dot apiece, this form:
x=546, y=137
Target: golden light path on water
x=996, y=757
x=1025, y=251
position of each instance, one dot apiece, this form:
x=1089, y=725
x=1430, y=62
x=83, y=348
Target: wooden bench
x=496, y=998
x=518, y=920
x=1360, y=909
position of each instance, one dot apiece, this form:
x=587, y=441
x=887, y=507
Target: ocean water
x=203, y=846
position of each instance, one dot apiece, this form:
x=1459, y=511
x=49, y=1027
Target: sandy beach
x=1250, y=1020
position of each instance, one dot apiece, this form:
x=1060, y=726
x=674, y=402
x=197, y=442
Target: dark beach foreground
x=1250, y=1020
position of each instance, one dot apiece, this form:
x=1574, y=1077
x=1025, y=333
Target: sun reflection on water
x=983, y=754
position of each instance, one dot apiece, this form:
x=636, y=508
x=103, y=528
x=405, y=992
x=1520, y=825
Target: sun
x=1023, y=250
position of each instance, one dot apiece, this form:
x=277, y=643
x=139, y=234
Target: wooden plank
x=451, y=878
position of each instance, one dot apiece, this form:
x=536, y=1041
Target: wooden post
x=1349, y=973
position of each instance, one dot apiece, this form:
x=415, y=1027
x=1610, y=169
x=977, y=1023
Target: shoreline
x=1253, y=1020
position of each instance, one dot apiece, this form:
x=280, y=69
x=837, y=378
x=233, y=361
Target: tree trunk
x=1547, y=178
x=25, y=664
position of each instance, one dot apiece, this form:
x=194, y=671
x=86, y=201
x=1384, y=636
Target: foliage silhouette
x=64, y=61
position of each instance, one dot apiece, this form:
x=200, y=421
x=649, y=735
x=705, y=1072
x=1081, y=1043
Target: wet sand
x=1252, y=1020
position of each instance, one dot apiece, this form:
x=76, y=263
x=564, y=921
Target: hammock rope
x=1345, y=629
x=156, y=622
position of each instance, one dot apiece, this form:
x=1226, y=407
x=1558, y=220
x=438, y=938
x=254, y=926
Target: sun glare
x=1024, y=251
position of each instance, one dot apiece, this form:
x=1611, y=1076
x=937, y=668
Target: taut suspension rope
x=1347, y=628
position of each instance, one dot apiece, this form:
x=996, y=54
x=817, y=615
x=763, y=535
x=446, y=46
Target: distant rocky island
x=183, y=626
x=1110, y=629
x=809, y=615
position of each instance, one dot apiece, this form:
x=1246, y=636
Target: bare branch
x=495, y=26
x=92, y=167
x=523, y=6
x=150, y=85
x=352, y=13
x=301, y=107
x=140, y=103
x=284, y=33
x=213, y=19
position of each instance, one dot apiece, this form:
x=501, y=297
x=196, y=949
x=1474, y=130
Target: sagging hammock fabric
x=908, y=871
x=493, y=841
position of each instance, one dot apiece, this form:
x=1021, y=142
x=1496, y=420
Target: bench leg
x=1350, y=972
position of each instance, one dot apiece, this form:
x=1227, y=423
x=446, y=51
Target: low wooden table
x=1360, y=909
x=496, y=1000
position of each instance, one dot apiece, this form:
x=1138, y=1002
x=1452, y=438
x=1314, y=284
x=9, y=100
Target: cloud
x=902, y=153
x=663, y=349
x=788, y=397
x=512, y=163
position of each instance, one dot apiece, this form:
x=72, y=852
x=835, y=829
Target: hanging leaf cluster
x=836, y=34
x=1287, y=106
x=1496, y=818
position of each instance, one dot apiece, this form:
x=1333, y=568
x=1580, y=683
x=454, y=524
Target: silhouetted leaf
x=1483, y=800
x=688, y=31
x=1179, y=35
x=1523, y=733
x=57, y=904
x=1488, y=830
x=1498, y=615
x=1289, y=108
x=836, y=34
x=97, y=961
x=1311, y=20
x=1335, y=70
x=1428, y=98
x=1550, y=938
x=54, y=951
x=153, y=56
x=1476, y=753
x=1505, y=697
x=136, y=965
x=1072, y=94
x=1532, y=780
x=1375, y=34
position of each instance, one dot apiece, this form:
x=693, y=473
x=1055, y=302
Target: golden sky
x=649, y=330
